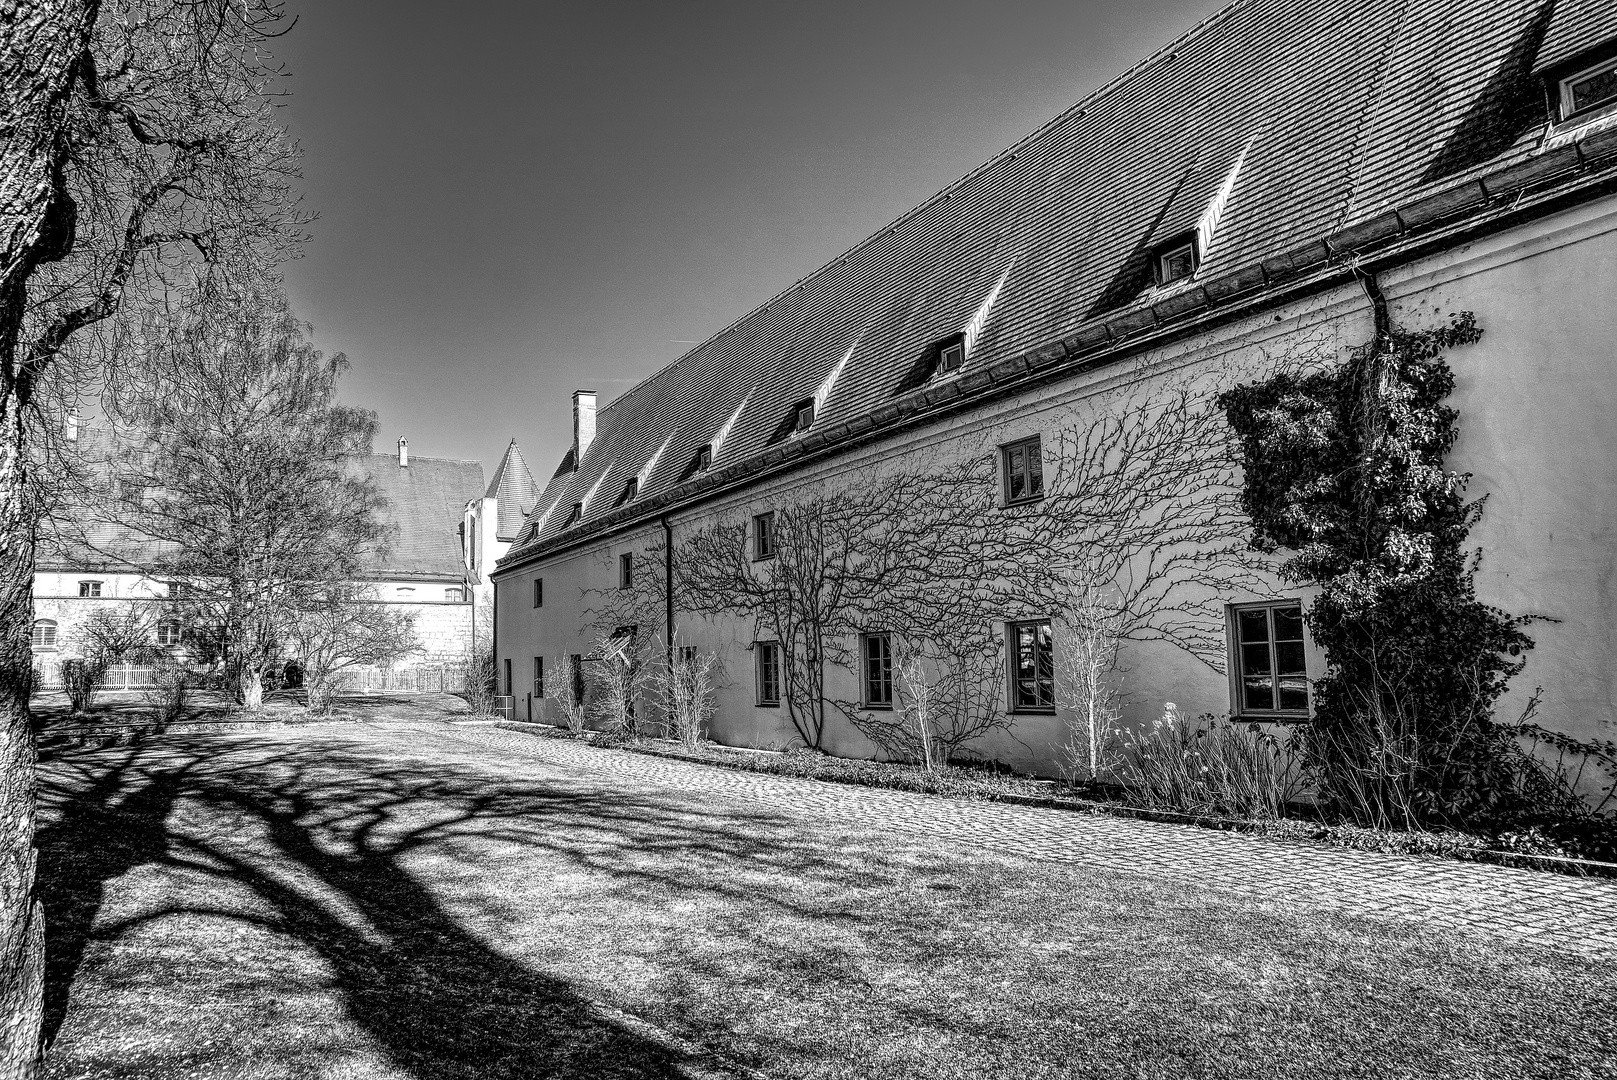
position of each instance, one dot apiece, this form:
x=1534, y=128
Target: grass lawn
x=337, y=901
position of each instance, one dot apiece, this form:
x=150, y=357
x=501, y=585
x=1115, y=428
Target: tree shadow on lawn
x=321, y=835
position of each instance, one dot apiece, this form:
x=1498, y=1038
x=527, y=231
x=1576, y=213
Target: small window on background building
x=89, y=588
x=630, y=491
x=878, y=664
x=1589, y=88
x=768, y=673
x=44, y=634
x=453, y=596
x=168, y=632
x=1176, y=260
x=626, y=570
x=538, y=592
x=1033, y=680
x=538, y=676
x=578, y=679
x=763, y=536
x=1024, y=470
x=1270, y=662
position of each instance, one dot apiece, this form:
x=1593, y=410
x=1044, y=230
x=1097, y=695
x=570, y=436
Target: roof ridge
x=1079, y=106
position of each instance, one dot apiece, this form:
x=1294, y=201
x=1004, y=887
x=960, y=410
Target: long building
x=1041, y=341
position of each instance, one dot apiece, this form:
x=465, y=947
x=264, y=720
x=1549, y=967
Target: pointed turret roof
x=513, y=485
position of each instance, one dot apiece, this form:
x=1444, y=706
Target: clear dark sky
x=520, y=198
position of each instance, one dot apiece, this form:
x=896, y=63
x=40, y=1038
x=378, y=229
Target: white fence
x=120, y=676
x=418, y=679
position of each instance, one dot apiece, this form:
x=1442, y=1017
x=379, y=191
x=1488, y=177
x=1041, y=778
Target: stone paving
x=1578, y=914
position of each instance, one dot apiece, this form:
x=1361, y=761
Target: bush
x=687, y=690
x=1210, y=767
x=81, y=679
x=170, y=691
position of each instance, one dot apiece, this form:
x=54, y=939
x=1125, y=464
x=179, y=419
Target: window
x=406, y=592
x=763, y=536
x=1270, y=665
x=453, y=596
x=168, y=632
x=798, y=419
x=538, y=676
x=951, y=354
x=1033, y=681
x=768, y=673
x=626, y=570
x=1589, y=88
x=44, y=634
x=701, y=462
x=176, y=589
x=573, y=515
x=805, y=416
x=1024, y=471
x=877, y=653
x=1176, y=259
x=630, y=490
x=538, y=592
x=578, y=678
x=506, y=665
x=89, y=588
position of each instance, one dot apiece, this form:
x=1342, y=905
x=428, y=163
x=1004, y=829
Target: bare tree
x=618, y=677
x=138, y=137
x=343, y=628
x=569, y=701
x=684, y=683
x=1087, y=695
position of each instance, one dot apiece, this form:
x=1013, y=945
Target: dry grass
x=343, y=902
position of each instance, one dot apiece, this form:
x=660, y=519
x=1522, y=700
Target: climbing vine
x=1344, y=468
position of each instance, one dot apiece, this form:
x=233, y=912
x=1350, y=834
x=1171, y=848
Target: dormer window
x=701, y=462
x=796, y=421
x=951, y=354
x=573, y=515
x=1590, y=88
x=1176, y=260
x=630, y=491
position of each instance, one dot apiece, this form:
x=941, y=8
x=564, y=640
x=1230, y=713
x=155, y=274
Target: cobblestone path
x=1578, y=914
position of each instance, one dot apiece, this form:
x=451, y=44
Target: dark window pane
x=1258, y=692
x=1289, y=658
x=1035, y=471
x=1288, y=623
x=1255, y=659
x=1294, y=694
x=1594, y=89
x=1254, y=625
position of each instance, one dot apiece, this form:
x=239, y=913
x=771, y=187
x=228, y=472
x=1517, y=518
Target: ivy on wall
x=1344, y=469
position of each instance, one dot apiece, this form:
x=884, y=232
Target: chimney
x=73, y=425
x=404, y=453
x=583, y=423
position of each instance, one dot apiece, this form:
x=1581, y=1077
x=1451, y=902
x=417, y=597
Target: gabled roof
x=1283, y=123
x=515, y=490
x=426, y=502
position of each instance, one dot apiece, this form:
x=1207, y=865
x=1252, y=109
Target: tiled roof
x=1287, y=121
x=515, y=490
x=1575, y=27
x=426, y=503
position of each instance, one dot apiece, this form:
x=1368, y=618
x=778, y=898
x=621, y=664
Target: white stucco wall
x=1535, y=398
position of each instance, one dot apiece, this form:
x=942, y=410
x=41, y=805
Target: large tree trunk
x=41, y=42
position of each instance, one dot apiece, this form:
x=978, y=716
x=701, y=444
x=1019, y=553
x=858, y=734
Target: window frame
x=539, y=678
x=34, y=633
x=577, y=689
x=455, y=595
x=941, y=349
x=1163, y=252
x=1235, y=665
x=573, y=515
x=1005, y=451
x=763, y=536
x=626, y=570
x=169, y=622
x=1563, y=90
x=869, y=681
x=631, y=492
x=509, y=688
x=1012, y=668
x=765, y=651
x=90, y=589
x=538, y=592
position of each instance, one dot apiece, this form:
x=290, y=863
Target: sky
x=519, y=199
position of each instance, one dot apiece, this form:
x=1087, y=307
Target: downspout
x=668, y=588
